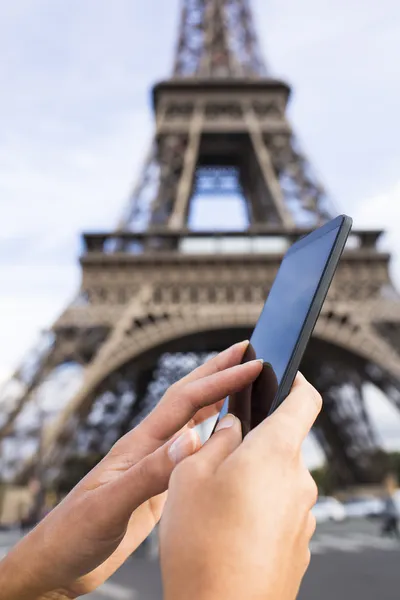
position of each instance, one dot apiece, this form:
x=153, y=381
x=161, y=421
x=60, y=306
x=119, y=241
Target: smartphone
x=288, y=320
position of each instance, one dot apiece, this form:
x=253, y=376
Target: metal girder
x=220, y=123
x=217, y=39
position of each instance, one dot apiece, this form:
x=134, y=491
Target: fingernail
x=256, y=360
x=225, y=422
x=183, y=446
x=244, y=343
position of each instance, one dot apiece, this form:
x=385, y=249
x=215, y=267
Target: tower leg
x=344, y=429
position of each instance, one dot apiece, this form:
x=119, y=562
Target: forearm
x=18, y=582
x=14, y=586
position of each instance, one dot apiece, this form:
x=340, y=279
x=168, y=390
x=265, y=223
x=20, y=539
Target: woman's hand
x=237, y=522
x=114, y=508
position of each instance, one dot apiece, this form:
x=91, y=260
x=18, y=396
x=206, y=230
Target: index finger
x=180, y=405
x=296, y=415
x=228, y=358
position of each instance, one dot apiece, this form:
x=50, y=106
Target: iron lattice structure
x=156, y=298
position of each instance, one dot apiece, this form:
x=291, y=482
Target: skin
x=114, y=508
x=237, y=523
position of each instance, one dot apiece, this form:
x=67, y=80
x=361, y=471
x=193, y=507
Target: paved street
x=350, y=562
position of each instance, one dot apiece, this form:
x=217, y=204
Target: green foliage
x=394, y=462
x=382, y=464
x=324, y=479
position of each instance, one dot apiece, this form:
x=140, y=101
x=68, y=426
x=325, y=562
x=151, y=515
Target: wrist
x=14, y=584
x=18, y=583
x=14, y=588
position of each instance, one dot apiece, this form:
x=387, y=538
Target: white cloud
x=341, y=57
x=382, y=211
x=72, y=141
x=30, y=300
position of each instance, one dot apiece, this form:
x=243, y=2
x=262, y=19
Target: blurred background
x=77, y=123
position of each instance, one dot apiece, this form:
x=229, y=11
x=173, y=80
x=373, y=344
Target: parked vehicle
x=396, y=498
x=328, y=509
x=363, y=507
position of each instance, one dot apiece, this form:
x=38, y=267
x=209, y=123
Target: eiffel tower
x=158, y=297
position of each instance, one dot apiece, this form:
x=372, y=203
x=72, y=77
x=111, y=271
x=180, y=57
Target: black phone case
x=314, y=312
x=343, y=223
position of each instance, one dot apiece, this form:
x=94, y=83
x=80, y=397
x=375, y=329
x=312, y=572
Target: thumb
x=150, y=476
x=226, y=438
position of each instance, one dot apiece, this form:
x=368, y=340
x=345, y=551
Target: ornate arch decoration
x=219, y=328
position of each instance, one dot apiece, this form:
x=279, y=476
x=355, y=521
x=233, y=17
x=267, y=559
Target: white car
x=363, y=507
x=396, y=498
x=328, y=509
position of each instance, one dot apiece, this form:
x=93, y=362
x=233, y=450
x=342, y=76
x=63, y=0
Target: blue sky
x=76, y=122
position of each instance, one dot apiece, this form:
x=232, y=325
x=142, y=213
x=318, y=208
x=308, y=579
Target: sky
x=75, y=123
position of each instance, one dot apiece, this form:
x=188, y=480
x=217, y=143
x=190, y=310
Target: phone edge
x=314, y=312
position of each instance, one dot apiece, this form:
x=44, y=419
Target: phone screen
x=279, y=326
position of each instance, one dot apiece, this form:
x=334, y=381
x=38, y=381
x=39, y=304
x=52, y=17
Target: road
x=349, y=561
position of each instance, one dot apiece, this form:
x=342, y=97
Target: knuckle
x=176, y=475
x=244, y=461
x=199, y=467
x=123, y=445
x=146, y=469
x=173, y=388
x=312, y=525
x=310, y=489
x=184, y=396
x=288, y=447
x=181, y=474
x=316, y=397
x=182, y=469
x=191, y=468
x=116, y=447
x=307, y=559
x=283, y=441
